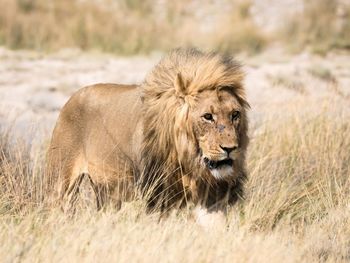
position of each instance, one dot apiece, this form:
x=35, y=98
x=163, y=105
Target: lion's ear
x=180, y=87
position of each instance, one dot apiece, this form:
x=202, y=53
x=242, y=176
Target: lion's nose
x=228, y=150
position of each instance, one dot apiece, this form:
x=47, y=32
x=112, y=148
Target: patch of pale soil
x=33, y=87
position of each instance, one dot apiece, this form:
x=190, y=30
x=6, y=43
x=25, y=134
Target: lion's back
x=96, y=126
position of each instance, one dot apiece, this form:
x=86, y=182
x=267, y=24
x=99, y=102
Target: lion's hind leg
x=101, y=193
x=72, y=192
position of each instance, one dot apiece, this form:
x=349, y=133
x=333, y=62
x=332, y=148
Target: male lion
x=180, y=137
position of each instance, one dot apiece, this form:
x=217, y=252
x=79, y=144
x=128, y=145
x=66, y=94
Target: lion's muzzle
x=211, y=164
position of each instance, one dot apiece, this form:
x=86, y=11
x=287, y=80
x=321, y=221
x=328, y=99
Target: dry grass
x=126, y=26
x=134, y=26
x=142, y=26
x=324, y=25
x=297, y=207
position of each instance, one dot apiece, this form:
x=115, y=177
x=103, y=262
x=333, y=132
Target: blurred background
x=128, y=27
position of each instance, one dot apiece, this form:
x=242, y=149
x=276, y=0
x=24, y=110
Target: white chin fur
x=222, y=172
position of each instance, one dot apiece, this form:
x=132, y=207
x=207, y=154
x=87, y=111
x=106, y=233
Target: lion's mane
x=169, y=150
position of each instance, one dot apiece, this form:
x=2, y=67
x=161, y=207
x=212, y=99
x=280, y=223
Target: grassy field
x=142, y=26
x=297, y=207
x=126, y=26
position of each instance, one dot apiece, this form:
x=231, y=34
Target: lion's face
x=216, y=122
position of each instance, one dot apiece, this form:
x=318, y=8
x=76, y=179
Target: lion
x=179, y=138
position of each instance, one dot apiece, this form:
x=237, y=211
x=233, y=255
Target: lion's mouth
x=217, y=164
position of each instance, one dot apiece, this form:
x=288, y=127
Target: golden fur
x=169, y=148
x=151, y=135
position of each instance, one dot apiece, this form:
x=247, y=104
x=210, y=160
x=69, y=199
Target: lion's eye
x=208, y=116
x=235, y=115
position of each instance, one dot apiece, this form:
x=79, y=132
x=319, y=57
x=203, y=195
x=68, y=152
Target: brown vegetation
x=134, y=26
x=124, y=27
x=324, y=25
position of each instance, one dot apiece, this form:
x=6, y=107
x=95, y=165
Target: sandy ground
x=34, y=86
